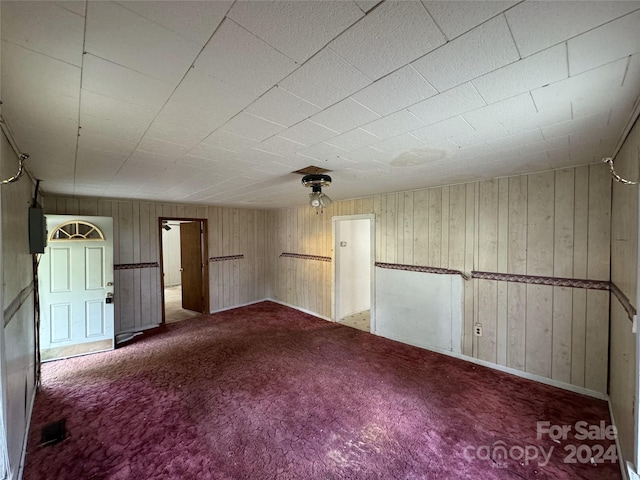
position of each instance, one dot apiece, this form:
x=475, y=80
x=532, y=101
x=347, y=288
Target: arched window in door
x=76, y=230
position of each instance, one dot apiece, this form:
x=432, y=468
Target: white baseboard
x=241, y=305
x=304, y=310
x=513, y=371
x=23, y=455
x=501, y=368
x=623, y=469
x=626, y=468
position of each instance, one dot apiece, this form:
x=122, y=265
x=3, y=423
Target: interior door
x=76, y=279
x=191, y=266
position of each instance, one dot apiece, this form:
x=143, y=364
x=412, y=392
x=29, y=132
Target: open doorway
x=185, y=272
x=353, y=271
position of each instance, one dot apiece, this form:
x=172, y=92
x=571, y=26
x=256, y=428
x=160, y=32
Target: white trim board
x=303, y=310
x=242, y=305
x=623, y=469
x=517, y=373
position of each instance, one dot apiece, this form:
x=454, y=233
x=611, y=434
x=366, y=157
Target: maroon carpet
x=267, y=392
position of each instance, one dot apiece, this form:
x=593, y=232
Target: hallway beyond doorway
x=173, y=305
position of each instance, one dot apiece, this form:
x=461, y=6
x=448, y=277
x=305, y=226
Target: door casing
x=204, y=239
x=92, y=295
x=335, y=267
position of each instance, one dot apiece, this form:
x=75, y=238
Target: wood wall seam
x=15, y=306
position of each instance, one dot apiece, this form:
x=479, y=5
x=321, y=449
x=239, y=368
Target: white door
x=76, y=287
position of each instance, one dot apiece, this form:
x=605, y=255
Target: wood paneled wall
x=624, y=274
x=17, y=353
x=136, y=240
x=553, y=223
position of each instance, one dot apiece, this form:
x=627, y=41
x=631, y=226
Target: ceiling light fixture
x=317, y=199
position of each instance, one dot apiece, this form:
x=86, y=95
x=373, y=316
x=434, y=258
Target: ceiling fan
x=316, y=181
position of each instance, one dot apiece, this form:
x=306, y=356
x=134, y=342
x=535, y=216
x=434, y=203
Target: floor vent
x=54, y=432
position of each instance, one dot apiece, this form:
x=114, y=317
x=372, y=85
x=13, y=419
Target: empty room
x=319, y=239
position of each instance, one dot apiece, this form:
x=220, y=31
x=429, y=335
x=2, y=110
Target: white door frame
x=4, y=447
x=636, y=327
x=335, y=271
x=100, y=342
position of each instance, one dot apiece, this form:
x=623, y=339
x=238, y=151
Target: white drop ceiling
x=217, y=102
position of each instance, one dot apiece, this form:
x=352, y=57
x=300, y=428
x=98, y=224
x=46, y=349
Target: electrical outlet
x=477, y=330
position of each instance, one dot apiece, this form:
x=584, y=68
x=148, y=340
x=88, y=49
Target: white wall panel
x=420, y=309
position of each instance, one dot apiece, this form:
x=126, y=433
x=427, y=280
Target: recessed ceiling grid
x=217, y=102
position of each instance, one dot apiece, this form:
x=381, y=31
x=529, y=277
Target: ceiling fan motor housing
x=316, y=181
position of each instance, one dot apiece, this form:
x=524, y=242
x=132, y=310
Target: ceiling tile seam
x=293, y=95
x=631, y=121
x=306, y=120
x=79, y=126
x=86, y=52
x=254, y=116
x=151, y=137
x=326, y=45
x=595, y=28
x=188, y=152
x=421, y=76
x=626, y=70
x=481, y=23
x=568, y=64
x=257, y=116
x=534, y=101
x=465, y=121
x=366, y=86
x=361, y=9
x=326, y=142
x=351, y=65
x=149, y=109
x=350, y=97
x=485, y=102
x=437, y=25
x=261, y=39
x=123, y=5
x=571, y=105
x=265, y=151
x=513, y=38
x=62, y=5
x=191, y=66
x=231, y=133
x=43, y=54
x=566, y=40
x=460, y=36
